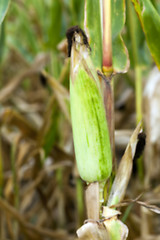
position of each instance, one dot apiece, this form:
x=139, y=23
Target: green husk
x=90, y=130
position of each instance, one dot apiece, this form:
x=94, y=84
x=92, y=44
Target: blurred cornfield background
x=41, y=193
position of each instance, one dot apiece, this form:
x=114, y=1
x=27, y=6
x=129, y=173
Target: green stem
x=80, y=202
x=138, y=71
x=14, y=175
x=126, y=213
x=15, y=183
x=132, y=29
x=2, y=40
x=138, y=75
x=61, y=221
x=1, y=169
x=138, y=87
x=101, y=195
x=1, y=188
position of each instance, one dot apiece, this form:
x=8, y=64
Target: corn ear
x=90, y=130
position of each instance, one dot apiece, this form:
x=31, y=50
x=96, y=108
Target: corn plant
x=107, y=39
x=90, y=128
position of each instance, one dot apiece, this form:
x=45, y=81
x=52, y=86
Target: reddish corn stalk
x=107, y=70
x=107, y=39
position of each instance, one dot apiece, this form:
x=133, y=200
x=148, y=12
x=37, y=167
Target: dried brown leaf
x=124, y=170
x=61, y=94
x=13, y=118
x=149, y=237
x=55, y=85
x=38, y=64
x=151, y=207
x=58, y=234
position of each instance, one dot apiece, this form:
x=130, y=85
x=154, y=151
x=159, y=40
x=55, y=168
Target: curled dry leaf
x=111, y=229
x=124, y=171
x=116, y=229
x=110, y=213
x=92, y=231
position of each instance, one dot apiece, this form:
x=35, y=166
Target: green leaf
x=150, y=21
x=92, y=27
x=4, y=4
x=135, y=39
x=50, y=131
x=1, y=169
x=56, y=24
x=120, y=53
x=2, y=40
x=77, y=11
x=27, y=41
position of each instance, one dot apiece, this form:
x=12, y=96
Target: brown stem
x=108, y=98
x=92, y=201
